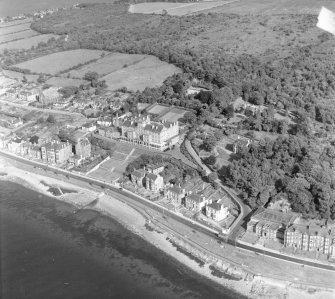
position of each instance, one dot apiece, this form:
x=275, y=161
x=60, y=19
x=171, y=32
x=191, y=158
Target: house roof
x=274, y=216
x=243, y=142
x=152, y=176
x=311, y=230
x=176, y=189
x=88, y=125
x=151, y=166
x=216, y=206
x=55, y=145
x=140, y=173
x=195, y=197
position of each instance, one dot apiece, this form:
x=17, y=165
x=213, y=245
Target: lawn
x=174, y=114
x=149, y=72
x=158, y=109
x=108, y=64
x=55, y=63
x=175, y=9
x=27, y=43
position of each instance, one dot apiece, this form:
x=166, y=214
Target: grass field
x=149, y=72
x=55, y=63
x=108, y=64
x=15, y=28
x=27, y=43
x=15, y=23
x=17, y=35
x=61, y=82
x=19, y=76
x=175, y=9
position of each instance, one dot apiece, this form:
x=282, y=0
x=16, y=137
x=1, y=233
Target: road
x=195, y=156
x=49, y=111
x=244, y=209
x=188, y=225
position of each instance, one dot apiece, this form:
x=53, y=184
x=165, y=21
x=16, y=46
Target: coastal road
x=142, y=204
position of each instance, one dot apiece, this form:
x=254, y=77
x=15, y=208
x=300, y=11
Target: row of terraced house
x=288, y=229
x=49, y=151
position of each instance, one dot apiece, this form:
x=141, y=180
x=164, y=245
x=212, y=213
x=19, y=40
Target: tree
x=212, y=177
x=68, y=91
x=51, y=119
x=41, y=79
x=91, y=76
x=230, y=111
x=209, y=143
x=218, y=134
x=211, y=160
x=190, y=118
x=34, y=139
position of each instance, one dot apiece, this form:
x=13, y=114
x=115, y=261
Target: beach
x=139, y=223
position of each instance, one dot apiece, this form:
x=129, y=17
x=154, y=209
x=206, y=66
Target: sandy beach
x=137, y=222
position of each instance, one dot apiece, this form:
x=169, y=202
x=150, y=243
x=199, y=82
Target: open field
x=149, y=72
x=15, y=23
x=19, y=76
x=108, y=64
x=175, y=9
x=12, y=29
x=275, y=7
x=17, y=35
x=55, y=63
x=27, y=43
x=61, y=82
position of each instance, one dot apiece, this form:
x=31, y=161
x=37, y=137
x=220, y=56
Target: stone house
x=153, y=182
x=217, y=211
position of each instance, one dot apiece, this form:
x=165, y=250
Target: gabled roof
x=195, y=197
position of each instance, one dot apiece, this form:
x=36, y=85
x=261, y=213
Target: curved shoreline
x=136, y=221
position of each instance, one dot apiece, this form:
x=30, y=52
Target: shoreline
x=214, y=269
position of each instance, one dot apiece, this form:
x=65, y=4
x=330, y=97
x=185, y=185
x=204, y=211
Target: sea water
x=17, y=7
x=47, y=251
